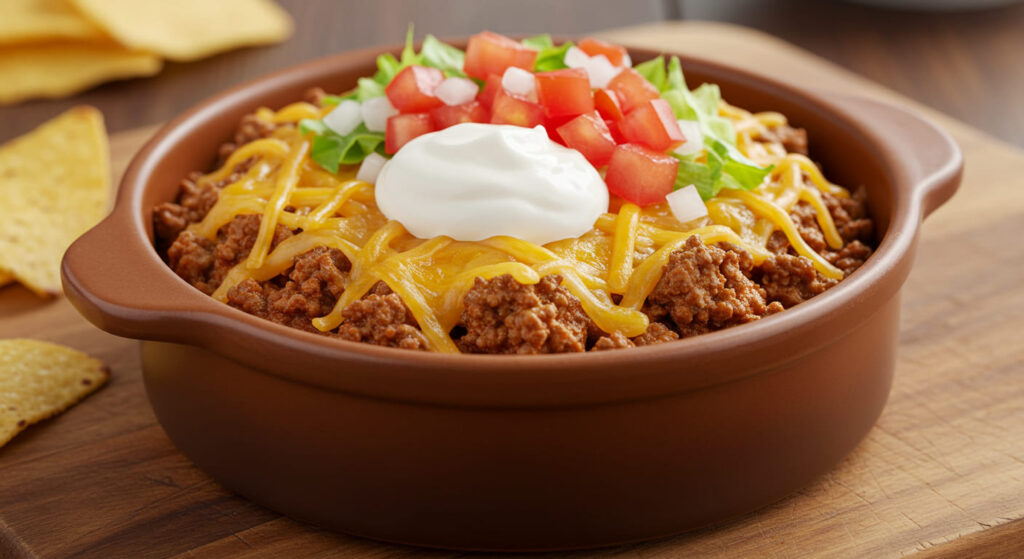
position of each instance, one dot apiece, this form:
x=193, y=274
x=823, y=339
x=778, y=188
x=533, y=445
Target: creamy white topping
x=473, y=181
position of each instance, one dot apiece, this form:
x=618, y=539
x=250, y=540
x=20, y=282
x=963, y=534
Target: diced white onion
x=575, y=57
x=371, y=167
x=627, y=62
x=376, y=113
x=686, y=204
x=519, y=82
x=456, y=91
x=600, y=70
x=694, y=138
x=345, y=117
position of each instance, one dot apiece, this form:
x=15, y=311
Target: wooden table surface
x=941, y=475
x=967, y=65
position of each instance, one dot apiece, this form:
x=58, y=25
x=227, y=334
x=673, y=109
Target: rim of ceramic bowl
x=748, y=349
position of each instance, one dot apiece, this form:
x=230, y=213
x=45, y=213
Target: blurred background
x=963, y=57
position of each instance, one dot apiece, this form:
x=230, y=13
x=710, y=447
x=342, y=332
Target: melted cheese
x=623, y=254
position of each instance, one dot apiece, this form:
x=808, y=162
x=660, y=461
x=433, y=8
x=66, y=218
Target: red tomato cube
x=553, y=123
x=641, y=175
x=594, y=47
x=589, y=135
x=491, y=88
x=654, y=125
x=490, y=53
x=613, y=127
x=402, y=128
x=632, y=89
x=607, y=103
x=510, y=109
x=565, y=92
x=412, y=89
x=445, y=116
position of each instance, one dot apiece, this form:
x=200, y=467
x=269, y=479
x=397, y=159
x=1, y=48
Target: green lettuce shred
x=549, y=56
x=726, y=166
x=331, y=150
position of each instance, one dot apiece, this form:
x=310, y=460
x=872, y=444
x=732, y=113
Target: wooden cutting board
x=942, y=474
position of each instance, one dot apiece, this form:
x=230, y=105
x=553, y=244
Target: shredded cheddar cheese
x=623, y=255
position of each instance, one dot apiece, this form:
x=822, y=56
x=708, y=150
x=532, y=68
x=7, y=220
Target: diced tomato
x=491, y=88
x=654, y=125
x=490, y=53
x=641, y=175
x=565, y=92
x=445, y=116
x=632, y=89
x=510, y=109
x=613, y=127
x=607, y=103
x=594, y=47
x=589, y=135
x=402, y=128
x=412, y=89
x=553, y=123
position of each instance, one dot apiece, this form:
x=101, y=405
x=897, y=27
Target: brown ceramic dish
x=513, y=452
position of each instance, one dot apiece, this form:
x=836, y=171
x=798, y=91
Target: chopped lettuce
x=331, y=150
x=549, y=56
x=433, y=53
x=725, y=166
x=539, y=42
x=332, y=100
x=442, y=56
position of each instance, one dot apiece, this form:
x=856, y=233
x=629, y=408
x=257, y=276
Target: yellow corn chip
x=39, y=380
x=26, y=21
x=188, y=29
x=54, y=185
x=58, y=70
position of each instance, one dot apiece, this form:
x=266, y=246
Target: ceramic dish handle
x=119, y=284
x=928, y=157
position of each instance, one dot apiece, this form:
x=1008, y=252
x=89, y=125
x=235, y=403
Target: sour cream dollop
x=473, y=181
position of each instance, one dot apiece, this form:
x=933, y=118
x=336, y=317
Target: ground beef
x=191, y=257
x=657, y=333
x=310, y=289
x=382, y=320
x=778, y=243
x=805, y=217
x=850, y=257
x=194, y=202
x=249, y=129
x=789, y=280
x=704, y=289
x=315, y=96
x=851, y=216
x=502, y=315
x=204, y=263
x=793, y=139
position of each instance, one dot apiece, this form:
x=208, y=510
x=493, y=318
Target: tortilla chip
x=54, y=185
x=58, y=70
x=5, y=278
x=185, y=30
x=39, y=380
x=27, y=21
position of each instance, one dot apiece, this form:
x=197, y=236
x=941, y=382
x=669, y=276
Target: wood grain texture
x=942, y=474
x=964, y=64
x=325, y=27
